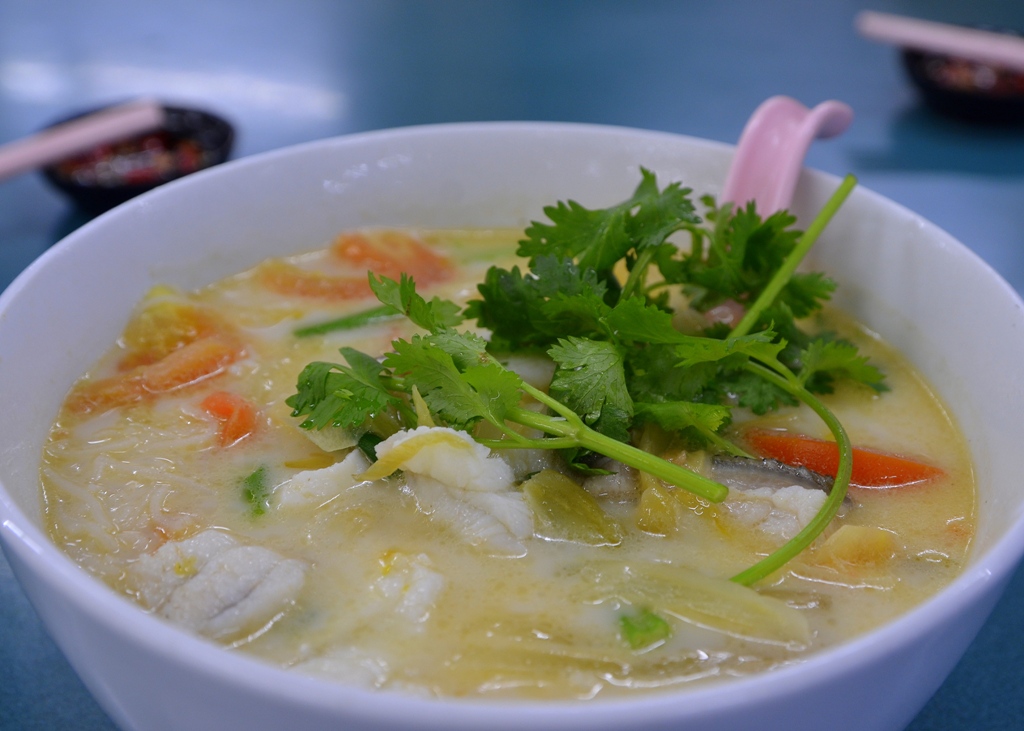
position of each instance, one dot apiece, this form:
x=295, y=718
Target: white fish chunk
x=456, y=481
x=449, y=456
x=412, y=584
x=315, y=487
x=217, y=587
x=780, y=512
x=404, y=594
x=499, y=522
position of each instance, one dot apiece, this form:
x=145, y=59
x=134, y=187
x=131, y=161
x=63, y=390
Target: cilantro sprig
x=463, y=384
x=597, y=298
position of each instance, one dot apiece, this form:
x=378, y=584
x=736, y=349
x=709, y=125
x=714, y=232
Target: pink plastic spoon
x=771, y=150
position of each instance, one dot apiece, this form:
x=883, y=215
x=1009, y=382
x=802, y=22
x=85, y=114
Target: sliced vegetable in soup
x=628, y=449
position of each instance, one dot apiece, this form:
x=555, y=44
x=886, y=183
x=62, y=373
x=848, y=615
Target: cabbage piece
x=331, y=438
x=717, y=604
x=564, y=511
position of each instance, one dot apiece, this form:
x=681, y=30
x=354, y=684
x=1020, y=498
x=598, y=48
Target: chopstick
x=1000, y=49
x=107, y=125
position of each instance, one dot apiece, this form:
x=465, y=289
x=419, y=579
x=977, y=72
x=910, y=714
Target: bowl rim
x=19, y=534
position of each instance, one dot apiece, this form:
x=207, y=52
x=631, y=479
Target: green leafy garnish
x=590, y=380
x=256, y=491
x=463, y=384
x=342, y=395
x=599, y=239
x=643, y=628
x=599, y=296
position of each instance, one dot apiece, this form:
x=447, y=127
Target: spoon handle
x=771, y=150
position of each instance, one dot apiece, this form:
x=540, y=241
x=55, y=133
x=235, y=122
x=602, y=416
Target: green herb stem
x=636, y=274
x=548, y=443
x=724, y=445
x=783, y=274
x=587, y=438
x=812, y=530
x=348, y=322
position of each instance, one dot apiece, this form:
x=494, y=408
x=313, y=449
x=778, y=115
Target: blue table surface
x=289, y=71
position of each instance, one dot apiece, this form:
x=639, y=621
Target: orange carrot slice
x=292, y=281
x=392, y=253
x=104, y=394
x=385, y=253
x=870, y=468
x=191, y=363
x=237, y=416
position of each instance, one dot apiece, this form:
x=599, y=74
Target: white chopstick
x=53, y=144
x=983, y=46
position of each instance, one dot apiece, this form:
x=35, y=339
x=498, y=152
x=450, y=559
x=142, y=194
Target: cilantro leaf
x=515, y=307
x=654, y=374
x=597, y=239
x=583, y=315
x=752, y=392
x=823, y=361
x=805, y=293
x=633, y=320
x=402, y=297
x=743, y=253
x=466, y=349
x=590, y=380
x=339, y=395
x=701, y=350
x=679, y=415
x=483, y=392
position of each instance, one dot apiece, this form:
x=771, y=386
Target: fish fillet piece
x=458, y=482
x=315, y=487
x=451, y=457
x=499, y=522
x=778, y=512
x=217, y=587
x=412, y=583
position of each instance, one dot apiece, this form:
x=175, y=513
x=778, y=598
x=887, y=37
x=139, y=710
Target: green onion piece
x=349, y=322
x=643, y=629
x=782, y=276
x=256, y=491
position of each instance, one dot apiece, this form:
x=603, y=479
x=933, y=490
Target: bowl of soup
x=204, y=561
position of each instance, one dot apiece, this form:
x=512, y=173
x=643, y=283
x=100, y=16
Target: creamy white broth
x=121, y=483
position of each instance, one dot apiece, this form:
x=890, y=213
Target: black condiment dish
x=968, y=90
x=98, y=180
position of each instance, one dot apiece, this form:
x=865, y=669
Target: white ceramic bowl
x=956, y=319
